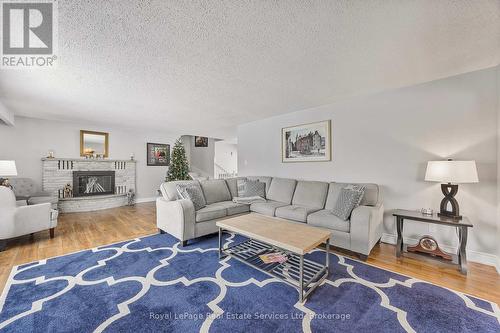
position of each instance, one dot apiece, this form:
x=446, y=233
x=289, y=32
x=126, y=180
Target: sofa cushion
x=251, y=188
x=169, y=189
x=295, y=213
x=232, y=185
x=349, y=198
x=215, y=191
x=194, y=193
x=266, y=208
x=232, y=207
x=281, y=190
x=263, y=179
x=325, y=219
x=210, y=212
x=370, y=198
x=310, y=194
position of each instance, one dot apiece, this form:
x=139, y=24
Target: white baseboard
x=142, y=200
x=475, y=256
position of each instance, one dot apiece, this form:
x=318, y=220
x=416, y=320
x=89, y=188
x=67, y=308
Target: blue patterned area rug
x=152, y=285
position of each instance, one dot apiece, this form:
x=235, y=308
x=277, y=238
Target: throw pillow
x=251, y=188
x=349, y=198
x=193, y=193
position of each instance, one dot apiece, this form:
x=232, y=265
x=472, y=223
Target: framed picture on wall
x=201, y=141
x=307, y=143
x=158, y=154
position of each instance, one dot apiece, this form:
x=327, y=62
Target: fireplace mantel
x=58, y=172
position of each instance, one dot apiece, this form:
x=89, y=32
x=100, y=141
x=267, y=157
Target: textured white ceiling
x=203, y=67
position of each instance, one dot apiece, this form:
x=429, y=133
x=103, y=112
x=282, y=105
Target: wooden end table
x=462, y=226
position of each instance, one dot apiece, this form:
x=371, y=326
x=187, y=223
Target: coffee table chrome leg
x=220, y=243
x=327, y=263
x=301, y=279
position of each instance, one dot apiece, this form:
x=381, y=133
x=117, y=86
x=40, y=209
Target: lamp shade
x=8, y=169
x=455, y=172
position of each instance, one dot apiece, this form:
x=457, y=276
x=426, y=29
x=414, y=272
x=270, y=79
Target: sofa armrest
x=176, y=218
x=34, y=218
x=366, y=227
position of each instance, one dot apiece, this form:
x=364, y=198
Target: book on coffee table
x=273, y=257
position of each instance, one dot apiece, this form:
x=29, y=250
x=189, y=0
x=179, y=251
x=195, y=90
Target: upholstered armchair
x=26, y=190
x=17, y=221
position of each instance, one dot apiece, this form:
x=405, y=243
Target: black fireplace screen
x=86, y=183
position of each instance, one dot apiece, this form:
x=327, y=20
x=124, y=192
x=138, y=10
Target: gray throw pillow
x=251, y=188
x=349, y=198
x=193, y=193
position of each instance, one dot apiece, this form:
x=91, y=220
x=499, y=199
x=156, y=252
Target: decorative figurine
x=68, y=191
x=131, y=197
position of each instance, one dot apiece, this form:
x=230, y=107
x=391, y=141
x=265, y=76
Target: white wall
x=387, y=139
x=226, y=156
x=201, y=159
x=31, y=139
x=498, y=167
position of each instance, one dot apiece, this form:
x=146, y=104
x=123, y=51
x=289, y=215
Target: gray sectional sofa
x=299, y=201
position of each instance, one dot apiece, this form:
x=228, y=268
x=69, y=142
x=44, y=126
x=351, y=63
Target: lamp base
x=449, y=191
x=455, y=217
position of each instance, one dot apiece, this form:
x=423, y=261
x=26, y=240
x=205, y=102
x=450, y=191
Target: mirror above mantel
x=94, y=144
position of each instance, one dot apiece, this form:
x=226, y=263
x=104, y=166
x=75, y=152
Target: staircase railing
x=221, y=173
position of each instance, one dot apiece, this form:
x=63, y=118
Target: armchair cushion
x=42, y=199
x=23, y=187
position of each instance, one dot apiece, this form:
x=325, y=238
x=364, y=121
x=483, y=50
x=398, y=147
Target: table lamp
x=451, y=173
x=7, y=169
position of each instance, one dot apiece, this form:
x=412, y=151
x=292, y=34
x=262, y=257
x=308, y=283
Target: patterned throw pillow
x=193, y=193
x=251, y=188
x=349, y=198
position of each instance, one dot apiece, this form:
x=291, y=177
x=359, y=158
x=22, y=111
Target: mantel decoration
x=306, y=143
x=158, y=154
x=451, y=173
x=94, y=144
x=179, y=168
x=201, y=141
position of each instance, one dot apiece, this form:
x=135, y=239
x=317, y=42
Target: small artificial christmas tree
x=179, y=167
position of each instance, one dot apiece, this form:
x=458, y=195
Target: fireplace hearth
x=91, y=183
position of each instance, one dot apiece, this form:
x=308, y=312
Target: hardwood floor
x=81, y=231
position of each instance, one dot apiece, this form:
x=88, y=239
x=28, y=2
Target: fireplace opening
x=87, y=183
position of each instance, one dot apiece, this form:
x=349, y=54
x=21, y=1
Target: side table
x=462, y=226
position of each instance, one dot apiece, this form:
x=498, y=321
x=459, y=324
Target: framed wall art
x=307, y=143
x=158, y=154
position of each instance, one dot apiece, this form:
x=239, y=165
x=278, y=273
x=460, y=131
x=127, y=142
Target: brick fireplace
x=96, y=184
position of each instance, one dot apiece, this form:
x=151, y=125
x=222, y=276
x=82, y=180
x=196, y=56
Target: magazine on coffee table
x=273, y=258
